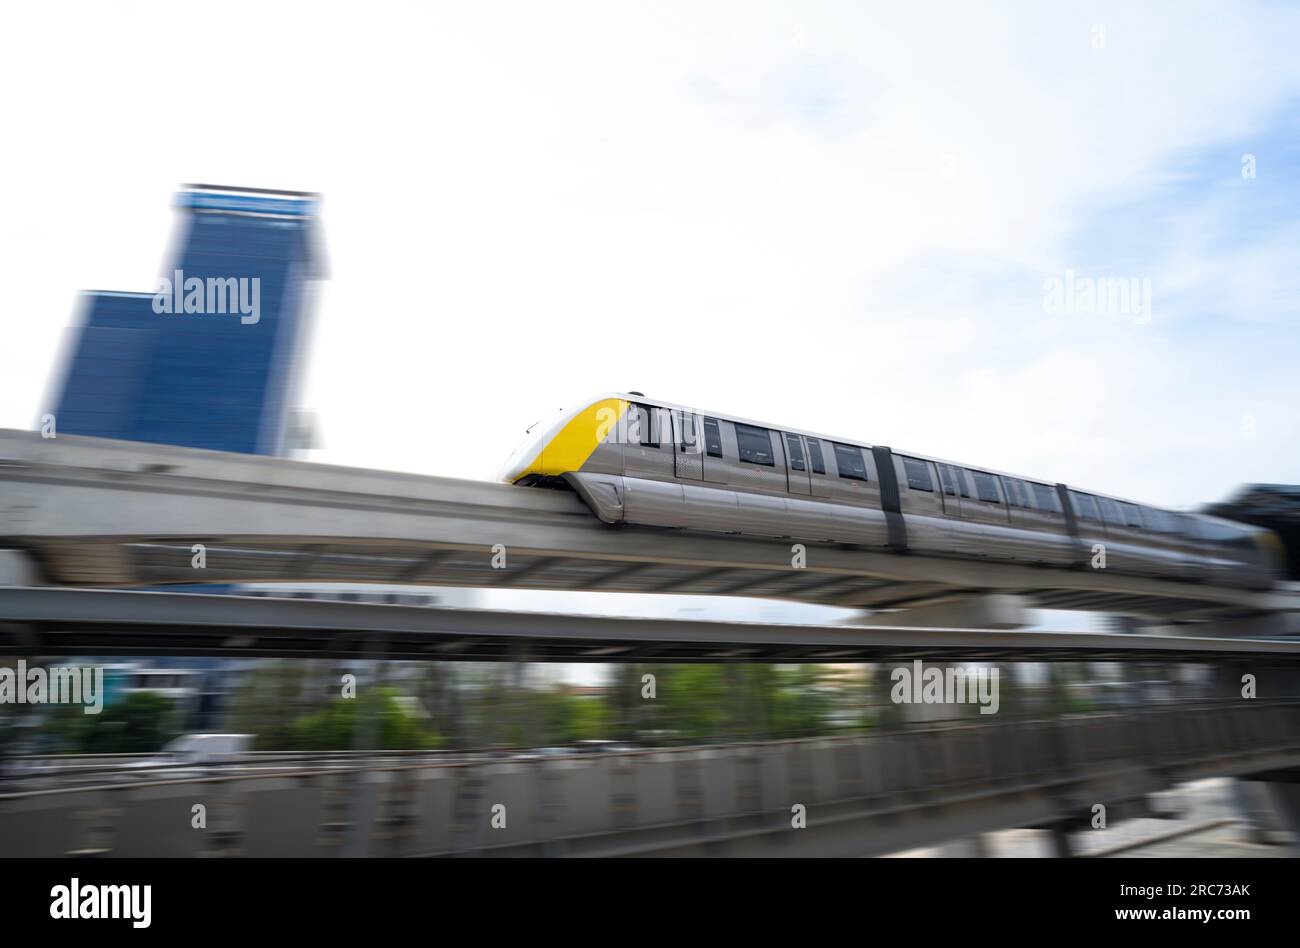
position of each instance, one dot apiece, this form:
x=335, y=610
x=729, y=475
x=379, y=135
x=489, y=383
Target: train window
x=755, y=445
x=643, y=426
x=918, y=475
x=712, y=438
x=815, y=456
x=849, y=460
x=1016, y=497
x=947, y=479
x=1173, y=521
x=1027, y=494
x=1046, y=497
x=795, y=447
x=1157, y=520
x=1030, y=501
x=986, y=487
x=1085, y=505
x=689, y=438
x=1110, y=511
x=1131, y=516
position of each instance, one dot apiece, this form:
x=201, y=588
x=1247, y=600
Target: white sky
x=836, y=217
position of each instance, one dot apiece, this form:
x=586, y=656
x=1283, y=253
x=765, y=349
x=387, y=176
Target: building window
x=815, y=456
x=986, y=487
x=918, y=475
x=755, y=445
x=849, y=460
x=712, y=438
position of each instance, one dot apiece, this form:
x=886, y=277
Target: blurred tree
x=593, y=718
x=394, y=724
x=140, y=723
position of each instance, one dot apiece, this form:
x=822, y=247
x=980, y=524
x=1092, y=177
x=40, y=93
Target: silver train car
x=638, y=461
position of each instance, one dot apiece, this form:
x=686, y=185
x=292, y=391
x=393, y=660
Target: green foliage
x=374, y=720
x=730, y=702
x=592, y=719
x=140, y=723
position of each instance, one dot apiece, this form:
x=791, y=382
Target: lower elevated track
x=63, y=621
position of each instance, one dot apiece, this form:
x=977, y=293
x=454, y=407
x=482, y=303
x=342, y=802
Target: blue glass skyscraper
x=209, y=360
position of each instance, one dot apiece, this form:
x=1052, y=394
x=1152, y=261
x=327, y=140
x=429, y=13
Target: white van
x=192, y=750
x=207, y=748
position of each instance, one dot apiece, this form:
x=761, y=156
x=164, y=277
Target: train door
x=796, y=465
x=948, y=489
x=855, y=479
x=951, y=489
x=760, y=462
x=983, y=502
x=982, y=499
x=688, y=450
x=921, y=503
x=714, y=457
x=1091, y=526
x=818, y=478
x=1039, y=533
x=648, y=452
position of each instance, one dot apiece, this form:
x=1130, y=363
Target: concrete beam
x=993, y=611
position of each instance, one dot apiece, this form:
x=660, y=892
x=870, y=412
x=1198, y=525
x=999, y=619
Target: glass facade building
x=209, y=360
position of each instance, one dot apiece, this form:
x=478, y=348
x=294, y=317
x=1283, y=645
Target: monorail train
x=637, y=461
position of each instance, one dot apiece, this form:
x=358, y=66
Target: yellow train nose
x=569, y=448
x=1271, y=544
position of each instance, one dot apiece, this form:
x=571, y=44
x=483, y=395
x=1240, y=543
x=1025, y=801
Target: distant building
x=208, y=359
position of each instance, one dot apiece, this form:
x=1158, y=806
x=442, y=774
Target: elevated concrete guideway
x=96, y=512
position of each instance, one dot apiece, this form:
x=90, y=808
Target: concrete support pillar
x=1271, y=809
x=364, y=790
x=1059, y=841
x=890, y=715
x=17, y=569
x=969, y=847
